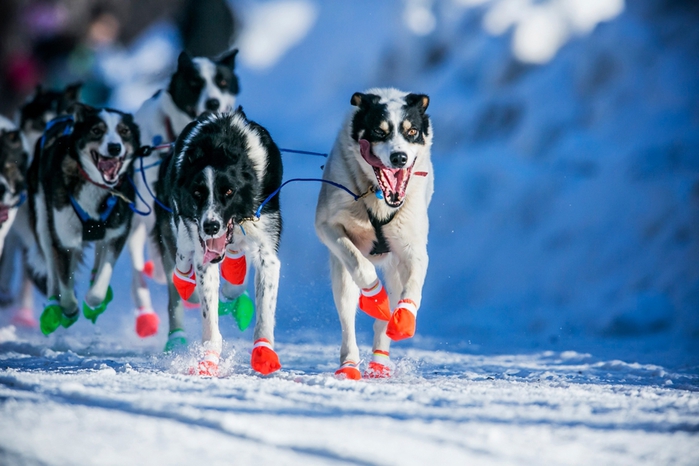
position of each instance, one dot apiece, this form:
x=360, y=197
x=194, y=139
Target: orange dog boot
x=264, y=360
x=374, y=301
x=208, y=367
x=348, y=370
x=234, y=267
x=146, y=322
x=380, y=366
x=402, y=323
x=185, y=283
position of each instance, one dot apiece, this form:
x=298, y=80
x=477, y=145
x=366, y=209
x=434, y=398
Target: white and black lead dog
x=197, y=86
x=223, y=168
x=78, y=194
x=383, y=152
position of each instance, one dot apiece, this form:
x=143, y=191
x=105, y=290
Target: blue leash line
x=145, y=182
x=304, y=152
x=276, y=191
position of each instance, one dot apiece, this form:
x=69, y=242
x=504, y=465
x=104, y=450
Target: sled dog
x=382, y=152
x=223, y=168
x=78, y=194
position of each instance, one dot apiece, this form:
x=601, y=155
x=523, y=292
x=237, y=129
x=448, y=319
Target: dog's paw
x=374, y=301
x=208, y=367
x=402, y=322
x=264, y=360
x=234, y=267
x=92, y=313
x=241, y=308
x=184, y=283
x=53, y=317
x=348, y=370
x=146, y=322
x=176, y=340
x=380, y=366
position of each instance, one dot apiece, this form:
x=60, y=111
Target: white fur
x=9, y=198
x=207, y=70
x=342, y=224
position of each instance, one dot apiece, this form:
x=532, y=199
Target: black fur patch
x=13, y=161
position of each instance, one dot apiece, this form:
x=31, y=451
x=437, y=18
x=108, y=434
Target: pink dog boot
x=185, y=283
x=24, y=317
x=146, y=322
x=208, y=367
x=374, y=301
x=402, y=323
x=348, y=370
x=264, y=360
x=234, y=267
x=380, y=366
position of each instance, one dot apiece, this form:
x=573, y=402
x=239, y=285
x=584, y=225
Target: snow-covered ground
x=560, y=322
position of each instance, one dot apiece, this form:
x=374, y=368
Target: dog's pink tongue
x=109, y=166
x=214, y=248
x=371, y=159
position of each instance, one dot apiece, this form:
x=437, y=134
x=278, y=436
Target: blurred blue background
x=566, y=206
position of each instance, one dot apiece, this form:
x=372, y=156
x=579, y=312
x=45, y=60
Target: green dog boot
x=53, y=317
x=91, y=313
x=176, y=340
x=243, y=309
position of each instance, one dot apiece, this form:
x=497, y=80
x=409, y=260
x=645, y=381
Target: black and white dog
x=198, y=85
x=223, y=168
x=383, y=152
x=41, y=107
x=77, y=195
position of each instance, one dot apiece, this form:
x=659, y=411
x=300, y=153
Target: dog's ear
x=421, y=101
x=72, y=92
x=79, y=110
x=228, y=59
x=184, y=60
x=364, y=100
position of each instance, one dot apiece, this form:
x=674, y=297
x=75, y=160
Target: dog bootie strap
x=380, y=366
x=176, y=339
x=146, y=322
x=348, y=370
x=185, y=283
x=264, y=360
x=234, y=267
x=374, y=301
x=402, y=322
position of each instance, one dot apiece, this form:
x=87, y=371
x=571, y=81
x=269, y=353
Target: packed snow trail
x=99, y=404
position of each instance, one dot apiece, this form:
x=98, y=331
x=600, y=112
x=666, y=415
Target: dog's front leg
x=207, y=286
x=267, y=270
x=413, y=262
x=100, y=293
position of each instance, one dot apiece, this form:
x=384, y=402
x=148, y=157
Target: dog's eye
x=194, y=83
x=97, y=131
x=223, y=83
x=412, y=131
x=124, y=132
x=197, y=194
x=228, y=193
x=378, y=132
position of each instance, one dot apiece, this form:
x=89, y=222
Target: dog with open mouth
x=198, y=85
x=224, y=167
x=79, y=194
x=382, y=153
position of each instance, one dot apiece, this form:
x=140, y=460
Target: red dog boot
x=402, y=323
x=234, y=267
x=146, y=322
x=380, y=366
x=184, y=282
x=374, y=301
x=208, y=367
x=264, y=360
x=148, y=269
x=349, y=371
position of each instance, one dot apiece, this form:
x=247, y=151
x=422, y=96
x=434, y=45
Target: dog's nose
x=211, y=227
x=114, y=149
x=399, y=159
x=212, y=104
